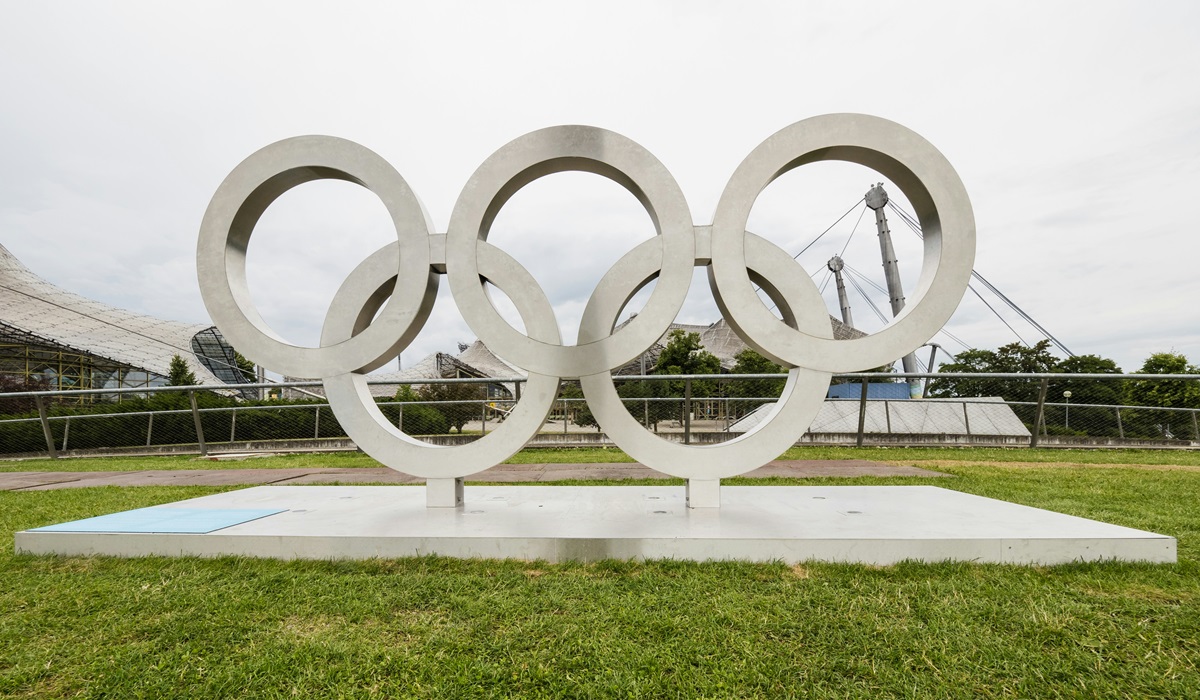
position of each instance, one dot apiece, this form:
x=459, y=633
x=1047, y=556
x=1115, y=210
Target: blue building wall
x=891, y=391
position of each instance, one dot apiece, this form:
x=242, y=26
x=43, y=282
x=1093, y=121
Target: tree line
x=1019, y=358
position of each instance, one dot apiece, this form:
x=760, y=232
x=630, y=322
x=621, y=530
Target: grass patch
x=311, y=460
x=914, y=456
x=570, y=455
x=322, y=460
x=434, y=627
x=983, y=455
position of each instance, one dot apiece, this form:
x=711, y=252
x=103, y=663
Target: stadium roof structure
x=109, y=346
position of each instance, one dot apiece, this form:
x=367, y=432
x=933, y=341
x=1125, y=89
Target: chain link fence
x=1031, y=410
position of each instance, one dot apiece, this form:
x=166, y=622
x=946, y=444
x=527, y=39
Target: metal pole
x=645, y=401
x=967, y=419
x=317, y=424
x=687, y=411
x=483, y=418
x=877, y=199
x=41, y=407
x=149, y=428
x=233, y=426
x=933, y=348
x=1195, y=427
x=66, y=433
x=196, y=420
x=862, y=413
x=564, y=412
x=1040, y=416
x=1120, y=427
x=835, y=266
x=887, y=414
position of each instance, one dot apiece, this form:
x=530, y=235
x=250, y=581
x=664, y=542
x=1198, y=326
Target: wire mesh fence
x=1001, y=409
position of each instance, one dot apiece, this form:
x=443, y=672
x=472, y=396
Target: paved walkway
x=40, y=481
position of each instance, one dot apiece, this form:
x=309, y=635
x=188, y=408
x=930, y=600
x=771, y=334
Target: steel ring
x=541, y=153
x=921, y=172
x=801, y=306
x=229, y=222
x=350, y=397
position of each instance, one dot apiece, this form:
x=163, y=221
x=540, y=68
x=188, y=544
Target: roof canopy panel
x=31, y=305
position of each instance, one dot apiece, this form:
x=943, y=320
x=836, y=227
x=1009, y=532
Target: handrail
x=1063, y=376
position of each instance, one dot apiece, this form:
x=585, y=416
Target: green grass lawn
x=578, y=455
x=347, y=459
x=434, y=627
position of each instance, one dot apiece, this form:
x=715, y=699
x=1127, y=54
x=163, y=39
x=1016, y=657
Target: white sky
x=1075, y=127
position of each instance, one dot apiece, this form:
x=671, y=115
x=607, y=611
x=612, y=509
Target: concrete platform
x=863, y=524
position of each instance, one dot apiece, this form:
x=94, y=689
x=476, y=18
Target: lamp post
x=1067, y=417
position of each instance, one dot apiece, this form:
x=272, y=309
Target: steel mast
x=877, y=199
x=835, y=266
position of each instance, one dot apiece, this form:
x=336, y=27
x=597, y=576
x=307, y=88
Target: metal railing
x=1031, y=410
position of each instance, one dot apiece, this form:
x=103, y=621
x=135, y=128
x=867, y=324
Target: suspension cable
x=847, y=245
x=867, y=279
x=862, y=293
x=822, y=234
x=955, y=338
x=839, y=220
x=916, y=228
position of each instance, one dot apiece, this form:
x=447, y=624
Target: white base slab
x=864, y=524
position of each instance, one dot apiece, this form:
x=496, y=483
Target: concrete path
x=41, y=481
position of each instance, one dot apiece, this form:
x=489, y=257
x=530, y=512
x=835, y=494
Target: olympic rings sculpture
x=406, y=275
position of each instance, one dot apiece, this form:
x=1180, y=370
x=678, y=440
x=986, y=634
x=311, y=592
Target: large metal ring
x=541, y=153
x=402, y=275
x=229, y=223
x=924, y=176
x=350, y=398
x=801, y=306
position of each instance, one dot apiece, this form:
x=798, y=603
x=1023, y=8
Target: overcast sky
x=1075, y=127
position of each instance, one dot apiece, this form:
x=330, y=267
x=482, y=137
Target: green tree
x=579, y=411
x=1011, y=358
x=458, y=402
x=245, y=366
x=178, y=373
x=1085, y=419
x=749, y=361
x=1166, y=393
x=636, y=398
x=683, y=354
x=406, y=393
x=1109, y=393
x=419, y=418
